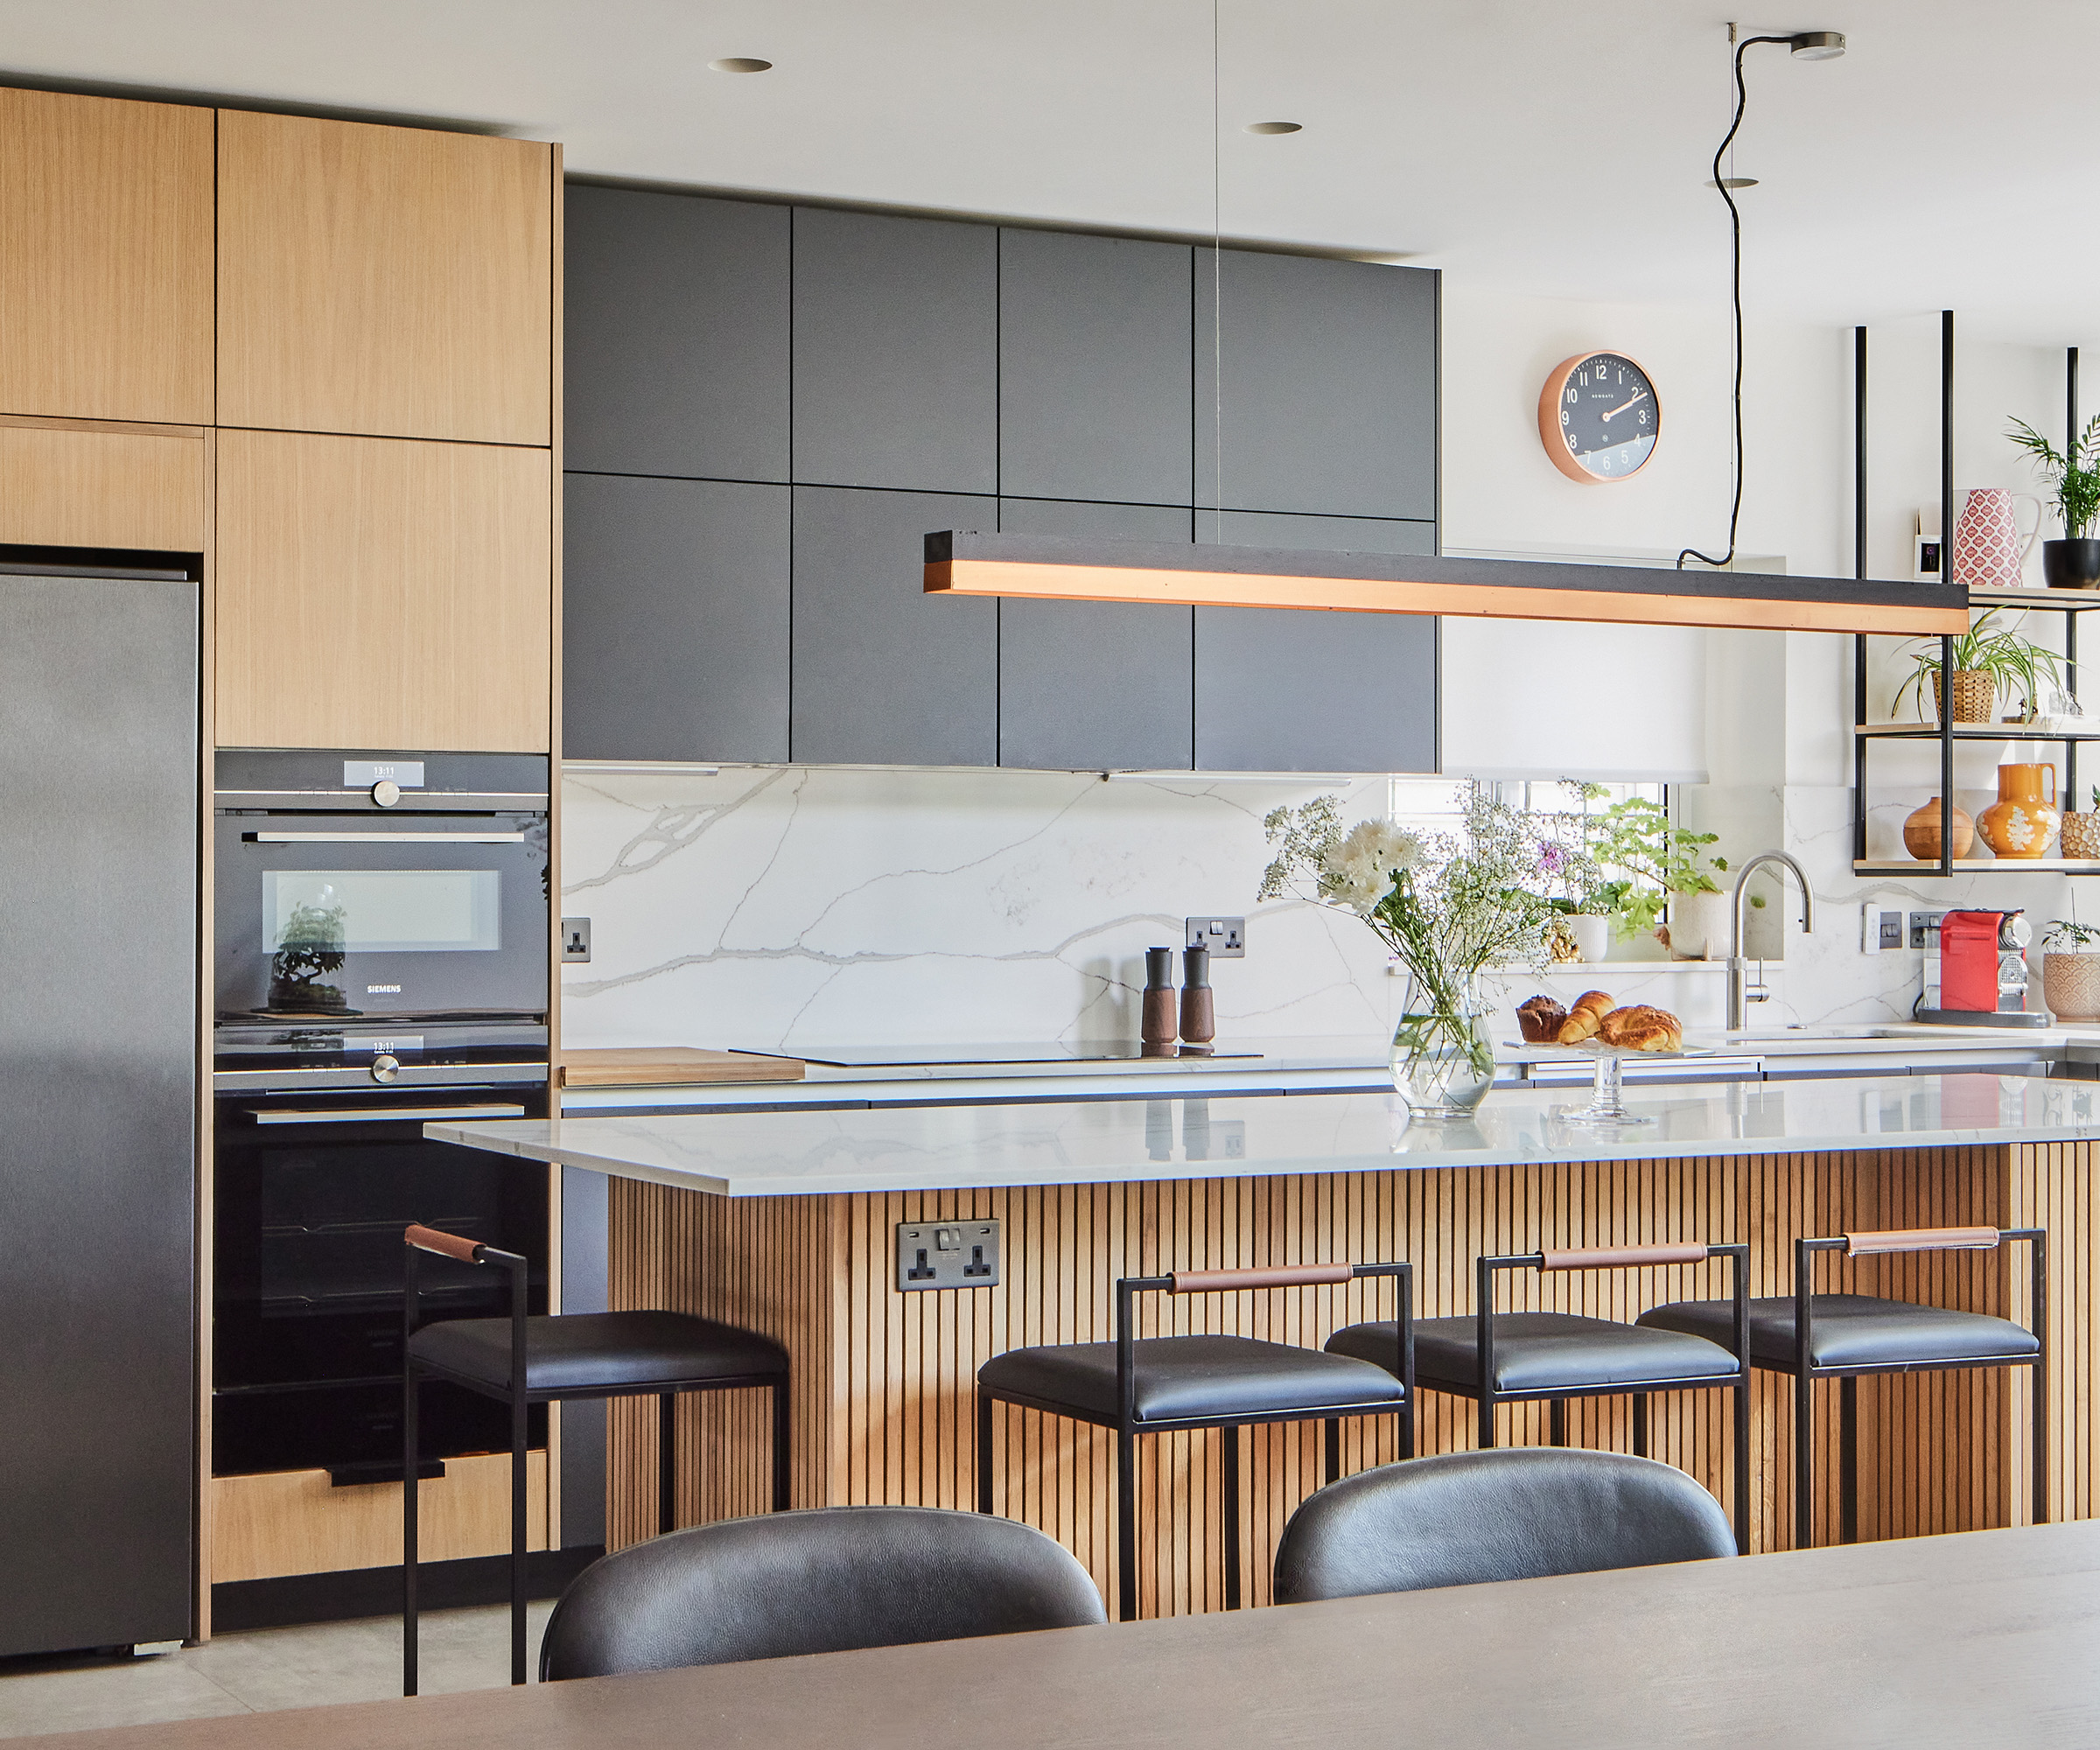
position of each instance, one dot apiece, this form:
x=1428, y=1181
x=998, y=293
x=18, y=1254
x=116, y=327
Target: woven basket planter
x=1974, y=695
x=2070, y=985
x=2082, y=836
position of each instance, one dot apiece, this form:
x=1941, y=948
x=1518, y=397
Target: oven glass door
x=328, y=916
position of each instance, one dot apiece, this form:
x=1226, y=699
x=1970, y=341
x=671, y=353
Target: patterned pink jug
x=1989, y=549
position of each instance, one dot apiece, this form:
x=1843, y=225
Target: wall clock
x=1599, y=418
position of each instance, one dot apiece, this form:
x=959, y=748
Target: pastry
x=1640, y=1027
x=1590, y=1008
x=1539, y=1019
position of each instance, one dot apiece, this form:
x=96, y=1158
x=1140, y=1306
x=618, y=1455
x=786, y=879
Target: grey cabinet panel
x=896, y=352
x=674, y=619
x=674, y=335
x=884, y=674
x=1328, y=401
x=1094, y=368
x=1283, y=689
x=1095, y=686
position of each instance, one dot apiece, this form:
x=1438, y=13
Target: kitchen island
x=784, y=1221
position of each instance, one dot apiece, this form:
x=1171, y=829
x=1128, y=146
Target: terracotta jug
x=2022, y=821
x=1921, y=833
x=1990, y=552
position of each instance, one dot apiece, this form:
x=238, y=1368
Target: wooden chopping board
x=671, y=1066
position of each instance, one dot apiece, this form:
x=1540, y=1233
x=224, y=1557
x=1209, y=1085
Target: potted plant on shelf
x=1663, y=871
x=1990, y=658
x=2073, y=482
x=1579, y=928
x=2070, y=969
x=1449, y=909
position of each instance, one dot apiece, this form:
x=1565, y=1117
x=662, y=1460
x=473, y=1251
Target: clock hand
x=1641, y=396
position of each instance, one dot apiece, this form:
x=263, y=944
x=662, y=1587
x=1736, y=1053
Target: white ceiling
x=1531, y=146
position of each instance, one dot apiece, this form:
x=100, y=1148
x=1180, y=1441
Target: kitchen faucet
x=1740, y=994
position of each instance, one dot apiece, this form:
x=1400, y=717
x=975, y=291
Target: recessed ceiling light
x=739, y=63
x=1275, y=127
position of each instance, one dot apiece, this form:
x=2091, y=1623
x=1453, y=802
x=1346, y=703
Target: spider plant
x=1990, y=646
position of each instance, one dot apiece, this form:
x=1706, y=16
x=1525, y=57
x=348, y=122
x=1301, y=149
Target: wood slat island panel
x=883, y=1380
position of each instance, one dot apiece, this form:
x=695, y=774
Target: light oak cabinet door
x=375, y=592
x=396, y=282
x=105, y=258
x=68, y=487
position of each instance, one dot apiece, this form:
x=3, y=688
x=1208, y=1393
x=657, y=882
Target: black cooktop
x=937, y=1056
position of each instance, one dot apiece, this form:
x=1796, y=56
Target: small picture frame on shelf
x=1925, y=558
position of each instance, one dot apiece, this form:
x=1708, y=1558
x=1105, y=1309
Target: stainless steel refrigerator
x=99, y=681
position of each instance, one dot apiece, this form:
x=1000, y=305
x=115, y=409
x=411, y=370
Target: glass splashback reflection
x=385, y=911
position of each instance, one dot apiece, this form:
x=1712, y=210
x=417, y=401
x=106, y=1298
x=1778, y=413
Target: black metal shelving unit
x=1948, y=733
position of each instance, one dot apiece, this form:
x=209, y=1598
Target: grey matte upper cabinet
x=674, y=619
x=1327, y=400
x=884, y=674
x=1283, y=689
x=896, y=352
x=1095, y=686
x=674, y=335
x=1094, y=337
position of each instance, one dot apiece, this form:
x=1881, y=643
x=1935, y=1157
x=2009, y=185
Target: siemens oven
x=383, y=949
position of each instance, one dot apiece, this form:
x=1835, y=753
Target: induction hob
x=944, y=1056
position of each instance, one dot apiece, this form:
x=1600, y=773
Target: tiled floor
x=260, y=1670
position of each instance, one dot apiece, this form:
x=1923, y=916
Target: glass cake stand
x=1607, y=1104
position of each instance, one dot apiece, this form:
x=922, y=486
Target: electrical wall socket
x=576, y=940
x=1226, y=938
x=1923, y=926
x=1881, y=926
x=947, y=1255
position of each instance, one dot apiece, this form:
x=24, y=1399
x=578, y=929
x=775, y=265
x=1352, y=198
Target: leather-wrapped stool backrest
x=815, y=1582
x=1510, y=1514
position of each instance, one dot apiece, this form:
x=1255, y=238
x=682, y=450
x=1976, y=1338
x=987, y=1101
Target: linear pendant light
x=1043, y=569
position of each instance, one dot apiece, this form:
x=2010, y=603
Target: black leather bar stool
x=522, y=1360
x=1841, y=1336
x=1159, y=1385
x=1515, y=1357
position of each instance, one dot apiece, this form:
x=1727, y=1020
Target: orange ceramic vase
x=2023, y=820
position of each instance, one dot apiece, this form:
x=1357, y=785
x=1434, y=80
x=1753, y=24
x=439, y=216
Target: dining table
x=1974, y=1638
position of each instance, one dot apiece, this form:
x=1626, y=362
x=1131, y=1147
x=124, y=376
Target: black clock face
x=1608, y=416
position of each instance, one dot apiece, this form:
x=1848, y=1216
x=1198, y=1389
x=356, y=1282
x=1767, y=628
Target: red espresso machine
x=1976, y=972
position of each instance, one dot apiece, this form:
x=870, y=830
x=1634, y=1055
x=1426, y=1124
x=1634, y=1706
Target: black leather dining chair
x=522, y=1359
x=1159, y=1385
x=1519, y=1513
x=1517, y=1357
x=1814, y=1336
x=822, y=1581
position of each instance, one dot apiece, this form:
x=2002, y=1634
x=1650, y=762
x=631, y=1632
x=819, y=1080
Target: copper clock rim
x=1550, y=436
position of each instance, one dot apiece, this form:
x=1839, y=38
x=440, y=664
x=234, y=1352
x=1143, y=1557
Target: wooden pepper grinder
x=1157, y=1029
x=1199, y=1005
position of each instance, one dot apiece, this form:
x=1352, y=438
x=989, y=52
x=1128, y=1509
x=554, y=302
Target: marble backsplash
x=785, y=907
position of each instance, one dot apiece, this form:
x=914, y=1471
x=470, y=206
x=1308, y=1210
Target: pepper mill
x=1199, y=1005
x=1159, y=1024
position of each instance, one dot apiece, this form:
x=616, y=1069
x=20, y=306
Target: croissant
x=1640, y=1027
x=1590, y=1008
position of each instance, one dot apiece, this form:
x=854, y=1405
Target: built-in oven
x=383, y=944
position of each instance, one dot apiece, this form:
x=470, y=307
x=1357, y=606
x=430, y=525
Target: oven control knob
x=386, y=1066
x=386, y=793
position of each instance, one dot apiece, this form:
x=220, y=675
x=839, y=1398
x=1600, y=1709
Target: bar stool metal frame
x=1128, y=1427
x=414, y=1372
x=1806, y=1373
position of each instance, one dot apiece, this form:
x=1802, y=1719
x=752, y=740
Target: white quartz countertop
x=788, y=1153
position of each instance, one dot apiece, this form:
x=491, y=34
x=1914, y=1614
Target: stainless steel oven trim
x=370, y=1114
x=287, y=1081
x=383, y=838
x=449, y=802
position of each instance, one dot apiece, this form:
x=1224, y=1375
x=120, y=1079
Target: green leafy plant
x=2074, y=481
x=1648, y=859
x=2069, y=936
x=1990, y=646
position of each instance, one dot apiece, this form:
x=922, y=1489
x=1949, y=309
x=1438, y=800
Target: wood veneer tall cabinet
x=105, y=258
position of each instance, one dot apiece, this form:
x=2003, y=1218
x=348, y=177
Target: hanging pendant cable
x=1735, y=287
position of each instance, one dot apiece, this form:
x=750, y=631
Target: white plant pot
x=1592, y=937
x=1699, y=926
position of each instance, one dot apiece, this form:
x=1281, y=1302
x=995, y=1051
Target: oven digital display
x=382, y=911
